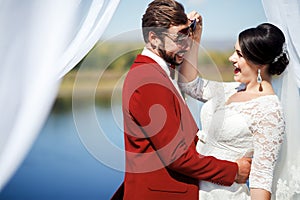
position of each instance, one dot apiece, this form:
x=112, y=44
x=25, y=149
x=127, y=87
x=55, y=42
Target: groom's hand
x=244, y=165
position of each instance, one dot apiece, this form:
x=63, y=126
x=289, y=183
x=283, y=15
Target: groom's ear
x=153, y=39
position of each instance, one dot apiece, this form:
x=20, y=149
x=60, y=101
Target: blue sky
x=223, y=20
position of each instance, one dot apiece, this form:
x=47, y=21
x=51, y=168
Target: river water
x=59, y=166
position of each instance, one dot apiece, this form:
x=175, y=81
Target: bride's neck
x=265, y=87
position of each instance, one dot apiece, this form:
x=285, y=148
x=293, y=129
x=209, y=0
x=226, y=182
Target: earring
x=259, y=80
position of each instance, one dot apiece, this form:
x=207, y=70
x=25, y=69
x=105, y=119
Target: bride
x=242, y=118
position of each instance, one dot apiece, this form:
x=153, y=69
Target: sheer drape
x=286, y=14
x=40, y=42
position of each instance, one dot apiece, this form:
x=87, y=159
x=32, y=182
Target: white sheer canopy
x=286, y=15
x=40, y=42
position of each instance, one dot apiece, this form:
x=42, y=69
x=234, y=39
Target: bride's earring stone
x=259, y=80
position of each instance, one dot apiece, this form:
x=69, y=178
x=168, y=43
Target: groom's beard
x=171, y=59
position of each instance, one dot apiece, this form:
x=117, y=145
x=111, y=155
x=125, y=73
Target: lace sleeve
x=268, y=127
x=204, y=90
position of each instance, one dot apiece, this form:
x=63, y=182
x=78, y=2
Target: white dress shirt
x=164, y=65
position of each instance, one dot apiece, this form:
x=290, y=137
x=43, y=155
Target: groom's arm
x=174, y=141
x=206, y=168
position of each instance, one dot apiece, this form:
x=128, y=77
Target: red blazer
x=160, y=136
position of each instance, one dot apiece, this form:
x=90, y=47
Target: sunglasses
x=183, y=34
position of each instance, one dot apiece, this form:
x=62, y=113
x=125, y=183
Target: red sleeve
x=166, y=123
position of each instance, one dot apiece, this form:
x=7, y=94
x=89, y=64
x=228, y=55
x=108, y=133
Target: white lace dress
x=252, y=128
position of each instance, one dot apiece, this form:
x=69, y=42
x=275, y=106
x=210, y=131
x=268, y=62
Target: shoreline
x=101, y=86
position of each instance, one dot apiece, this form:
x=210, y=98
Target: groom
x=159, y=130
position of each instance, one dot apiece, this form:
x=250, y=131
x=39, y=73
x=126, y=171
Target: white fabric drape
x=40, y=41
x=286, y=15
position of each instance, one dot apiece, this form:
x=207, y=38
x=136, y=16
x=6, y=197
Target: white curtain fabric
x=286, y=15
x=40, y=41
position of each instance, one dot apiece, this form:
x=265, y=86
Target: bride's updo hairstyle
x=265, y=45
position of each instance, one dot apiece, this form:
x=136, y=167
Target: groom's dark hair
x=161, y=15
